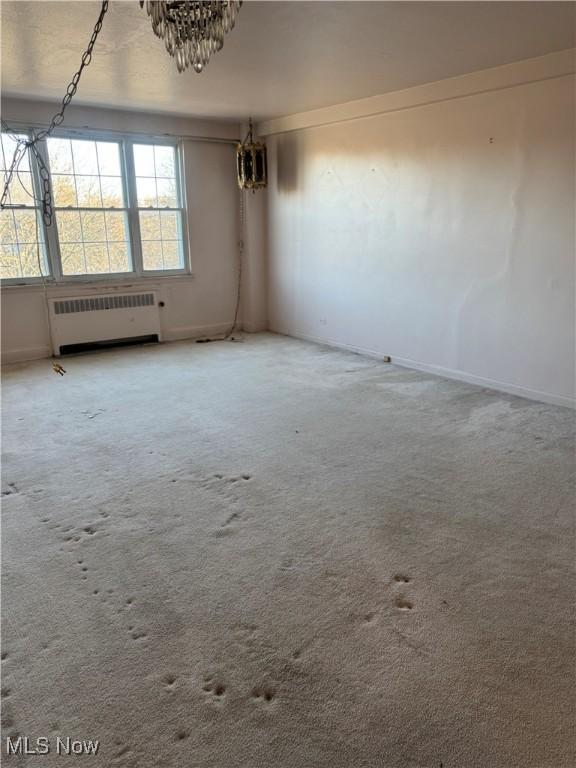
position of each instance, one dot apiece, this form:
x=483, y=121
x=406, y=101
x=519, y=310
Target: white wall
x=442, y=235
x=196, y=305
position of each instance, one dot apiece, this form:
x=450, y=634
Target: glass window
x=90, y=205
x=159, y=206
x=99, y=210
x=23, y=253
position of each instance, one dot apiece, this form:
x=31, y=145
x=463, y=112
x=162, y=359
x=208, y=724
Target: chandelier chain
x=23, y=145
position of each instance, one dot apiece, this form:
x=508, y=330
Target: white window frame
x=126, y=143
x=42, y=229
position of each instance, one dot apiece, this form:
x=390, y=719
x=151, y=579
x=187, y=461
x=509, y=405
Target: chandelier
x=192, y=30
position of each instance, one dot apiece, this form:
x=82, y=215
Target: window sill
x=100, y=283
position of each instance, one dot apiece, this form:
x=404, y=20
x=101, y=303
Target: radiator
x=108, y=317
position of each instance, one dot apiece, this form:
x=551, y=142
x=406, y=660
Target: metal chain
x=23, y=145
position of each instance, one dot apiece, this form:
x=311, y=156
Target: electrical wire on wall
x=241, y=217
x=56, y=367
x=23, y=146
x=229, y=335
x=16, y=171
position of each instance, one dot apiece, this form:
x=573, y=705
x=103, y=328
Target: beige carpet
x=276, y=555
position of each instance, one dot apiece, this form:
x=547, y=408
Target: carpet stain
x=397, y=489
x=264, y=693
x=215, y=690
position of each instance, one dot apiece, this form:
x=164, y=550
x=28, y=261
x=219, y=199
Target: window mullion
x=50, y=232
x=181, y=192
x=133, y=214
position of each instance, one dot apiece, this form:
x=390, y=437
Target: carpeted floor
x=276, y=555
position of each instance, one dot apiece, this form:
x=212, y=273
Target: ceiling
x=282, y=57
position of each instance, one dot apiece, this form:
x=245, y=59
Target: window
x=21, y=231
x=118, y=210
x=158, y=205
x=90, y=205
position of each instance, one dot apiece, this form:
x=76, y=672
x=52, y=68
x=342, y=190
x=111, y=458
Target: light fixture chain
x=22, y=145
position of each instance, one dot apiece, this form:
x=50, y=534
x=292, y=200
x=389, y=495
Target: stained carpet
x=277, y=555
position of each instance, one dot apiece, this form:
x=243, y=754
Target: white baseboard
x=255, y=327
x=438, y=370
x=182, y=332
x=25, y=354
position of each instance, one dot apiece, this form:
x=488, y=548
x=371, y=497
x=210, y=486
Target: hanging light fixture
x=192, y=30
x=251, y=163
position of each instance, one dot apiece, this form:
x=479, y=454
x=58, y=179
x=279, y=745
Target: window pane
x=29, y=260
x=170, y=225
x=116, y=226
x=9, y=261
x=27, y=226
x=93, y=228
x=150, y=225
x=7, y=228
x=84, y=157
x=119, y=257
x=164, y=161
x=69, y=229
x=9, y=144
x=152, y=254
x=64, y=189
x=21, y=190
x=61, y=156
x=108, y=158
x=146, y=192
x=112, y=192
x=72, y=255
x=88, y=188
x=21, y=252
x=172, y=253
x=166, y=193
x=144, y=160
x=97, y=261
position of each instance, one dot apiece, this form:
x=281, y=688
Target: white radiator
x=108, y=317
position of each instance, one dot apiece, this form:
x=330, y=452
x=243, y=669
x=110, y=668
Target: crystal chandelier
x=192, y=30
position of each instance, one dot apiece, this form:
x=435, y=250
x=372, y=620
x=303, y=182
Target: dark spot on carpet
x=231, y=517
x=265, y=693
